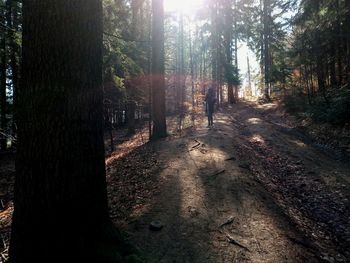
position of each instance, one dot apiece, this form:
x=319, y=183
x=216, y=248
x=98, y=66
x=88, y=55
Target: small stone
x=156, y=225
x=244, y=166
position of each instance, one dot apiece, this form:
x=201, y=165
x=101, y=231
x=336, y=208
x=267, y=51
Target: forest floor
x=252, y=189
x=255, y=188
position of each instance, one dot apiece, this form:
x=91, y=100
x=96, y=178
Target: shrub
x=295, y=104
x=336, y=110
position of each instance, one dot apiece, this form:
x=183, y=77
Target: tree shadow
x=198, y=189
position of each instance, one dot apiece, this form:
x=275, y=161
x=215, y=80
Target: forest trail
x=250, y=190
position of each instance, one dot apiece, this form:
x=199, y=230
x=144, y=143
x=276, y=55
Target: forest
x=174, y=131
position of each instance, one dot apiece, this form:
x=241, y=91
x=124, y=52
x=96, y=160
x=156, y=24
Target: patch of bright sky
x=189, y=7
x=243, y=53
x=185, y=6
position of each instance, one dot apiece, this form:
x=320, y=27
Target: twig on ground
x=219, y=172
x=228, y=221
x=195, y=146
x=231, y=240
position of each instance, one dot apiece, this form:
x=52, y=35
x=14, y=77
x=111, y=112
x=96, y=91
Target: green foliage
x=317, y=55
x=295, y=104
x=124, y=52
x=336, y=111
x=232, y=75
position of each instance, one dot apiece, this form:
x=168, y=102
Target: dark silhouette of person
x=210, y=101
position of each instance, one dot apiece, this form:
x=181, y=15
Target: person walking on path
x=210, y=101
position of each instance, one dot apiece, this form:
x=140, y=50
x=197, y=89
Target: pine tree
x=158, y=78
x=60, y=190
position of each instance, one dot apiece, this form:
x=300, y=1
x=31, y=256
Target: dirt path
x=216, y=205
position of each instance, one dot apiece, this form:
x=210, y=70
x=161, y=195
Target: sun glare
x=182, y=5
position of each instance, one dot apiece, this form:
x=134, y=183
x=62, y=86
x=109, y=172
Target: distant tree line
x=302, y=47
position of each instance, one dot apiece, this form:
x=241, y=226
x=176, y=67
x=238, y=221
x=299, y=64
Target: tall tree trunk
x=60, y=191
x=236, y=87
x=262, y=70
x=214, y=46
x=312, y=82
x=13, y=22
x=177, y=78
x=228, y=43
x=307, y=84
x=149, y=69
x=250, y=77
x=347, y=28
x=158, y=78
x=332, y=67
x=130, y=89
x=266, y=25
x=192, y=76
x=131, y=106
x=339, y=47
x=182, y=73
x=230, y=95
x=3, y=96
x=321, y=77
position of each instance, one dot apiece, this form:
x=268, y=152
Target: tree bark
x=266, y=26
x=131, y=106
x=321, y=77
x=214, y=46
x=347, y=28
x=61, y=211
x=236, y=87
x=262, y=69
x=158, y=80
x=14, y=56
x=332, y=66
x=130, y=88
x=228, y=47
x=192, y=77
x=3, y=96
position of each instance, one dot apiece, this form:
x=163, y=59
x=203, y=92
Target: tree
x=61, y=211
x=158, y=80
x=3, y=95
x=13, y=21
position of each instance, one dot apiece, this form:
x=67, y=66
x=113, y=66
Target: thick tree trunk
x=60, y=191
x=347, y=28
x=158, y=80
x=230, y=95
